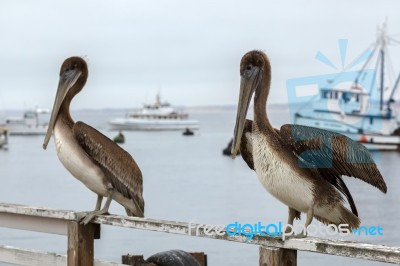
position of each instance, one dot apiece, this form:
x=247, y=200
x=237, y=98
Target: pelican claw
x=300, y=235
x=86, y=217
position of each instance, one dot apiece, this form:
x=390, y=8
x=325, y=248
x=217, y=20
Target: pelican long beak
x=248, y=83
x=67, y=80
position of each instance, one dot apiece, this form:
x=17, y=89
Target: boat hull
x=152, y=125
x=26, y=130
x=371, y=140
x=33, y=122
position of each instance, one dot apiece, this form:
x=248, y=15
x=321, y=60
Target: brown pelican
x=300, y=166
x=92, y=158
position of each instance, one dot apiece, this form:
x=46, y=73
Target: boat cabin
x=340, y=100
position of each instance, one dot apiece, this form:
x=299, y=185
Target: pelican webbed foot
x=300, y=235
x=86, y=217
x=90, y=215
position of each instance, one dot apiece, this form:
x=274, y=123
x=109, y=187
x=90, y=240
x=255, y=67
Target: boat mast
x=382, y=73
x=382, y=55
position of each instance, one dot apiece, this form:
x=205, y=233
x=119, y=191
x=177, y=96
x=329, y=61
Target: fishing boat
x=31, y=123
x=3, y=137
x=157, y=116
x=364, y=108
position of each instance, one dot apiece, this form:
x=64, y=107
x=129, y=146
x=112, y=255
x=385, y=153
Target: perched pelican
x=300, y=166
x=99, y=163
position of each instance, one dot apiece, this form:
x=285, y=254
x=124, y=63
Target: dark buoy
x=188, y=132
x=227, y=150
x=120, y=138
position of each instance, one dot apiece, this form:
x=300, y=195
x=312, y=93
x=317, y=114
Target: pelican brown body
x=103, y=166
x=300, y=166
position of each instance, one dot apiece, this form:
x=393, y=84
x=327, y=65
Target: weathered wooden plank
x=37, y=219
x=325, y=246
x=29, y=257
x=37, y=211
x=332, y=247
x=81, y=244
x=277, y=257
x=34, y=223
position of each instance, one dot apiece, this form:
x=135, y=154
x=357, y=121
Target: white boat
x=31, y=123
x=363, y=109
x=3, y=137
x=157, y=116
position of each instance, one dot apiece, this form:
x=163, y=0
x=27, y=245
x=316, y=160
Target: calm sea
x=185, y=179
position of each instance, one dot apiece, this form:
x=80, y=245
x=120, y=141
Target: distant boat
x=3, y=137
x=157, y=116
x=360, y=109
x=29, y=124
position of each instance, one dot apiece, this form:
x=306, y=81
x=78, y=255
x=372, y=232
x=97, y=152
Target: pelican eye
x=68, y=72
x=248, y=70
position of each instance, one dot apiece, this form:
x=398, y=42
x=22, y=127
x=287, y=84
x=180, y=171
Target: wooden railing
x=273, y=250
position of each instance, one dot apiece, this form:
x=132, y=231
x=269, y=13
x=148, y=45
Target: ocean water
x=185, y=179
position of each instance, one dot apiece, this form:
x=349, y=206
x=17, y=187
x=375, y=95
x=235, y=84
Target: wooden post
x=277, y=257
x=135, y=260
x=81, y=243
x=200, y=257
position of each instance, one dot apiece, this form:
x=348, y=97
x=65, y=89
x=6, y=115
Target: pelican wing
x=333, y=177
x=117, y=164
x=333, y=154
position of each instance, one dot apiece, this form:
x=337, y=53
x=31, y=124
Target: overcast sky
x=189, y=50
